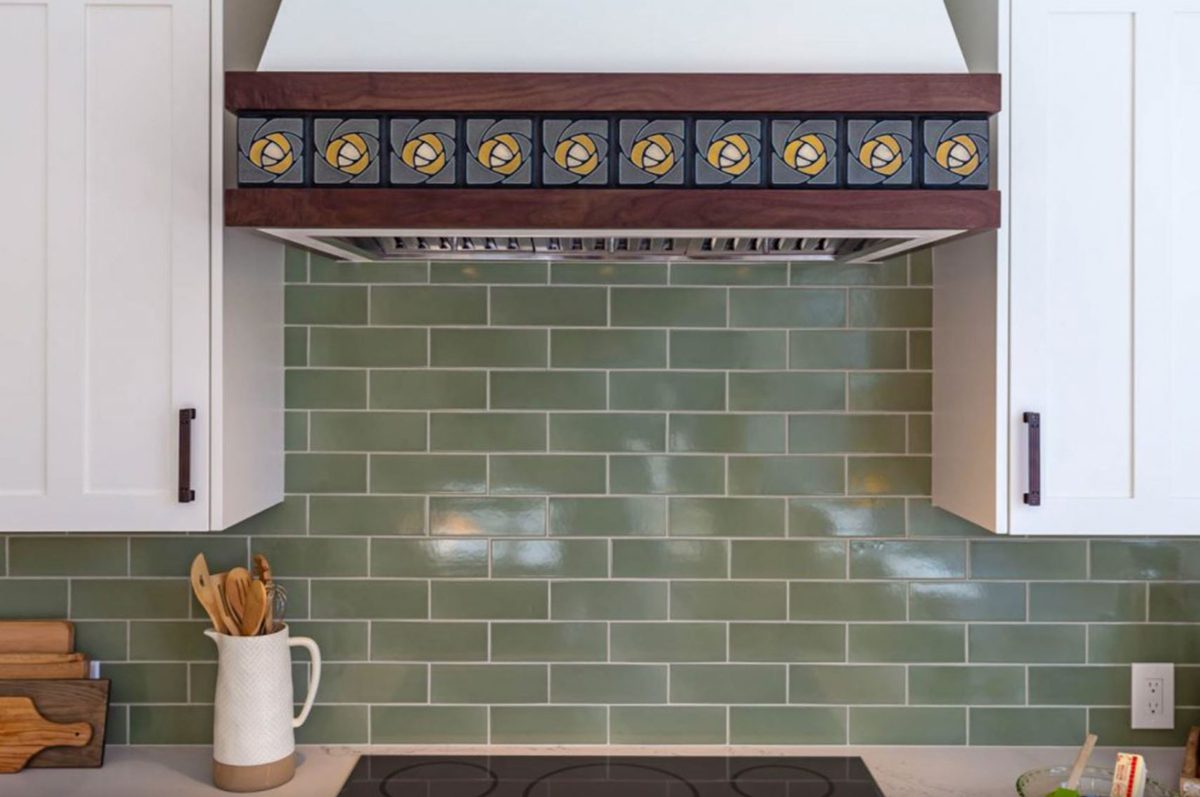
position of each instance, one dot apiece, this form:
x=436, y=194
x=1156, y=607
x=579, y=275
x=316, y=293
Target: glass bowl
x=1095, y=783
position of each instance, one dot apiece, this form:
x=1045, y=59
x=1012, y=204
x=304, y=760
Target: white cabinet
x=1086, y=307
x=112, y=280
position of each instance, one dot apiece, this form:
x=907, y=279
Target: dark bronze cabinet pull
x=186, y=493
x=1034, y=421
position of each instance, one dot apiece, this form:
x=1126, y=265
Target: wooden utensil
x=37, y=636
x=67, y=702
x=24, y=733
x=210, y=598
x=256, y=609
x=237, y=585
x=262, y=569
x=1071, y=788
x=37, y=666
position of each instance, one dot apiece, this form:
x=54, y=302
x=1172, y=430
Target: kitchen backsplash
x=627, y=503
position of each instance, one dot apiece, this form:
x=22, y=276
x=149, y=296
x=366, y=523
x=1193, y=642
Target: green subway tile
x=1103, y=603
x=295, y=431
x=116, y=729
x=635, y=390
x=488, y=683
x=667, y=725
x=298, y=603
x=1120, y=644
x=920, y=434
x=728, y=349
x=668, y=307
x=786, y=475
x=325, y=473
x=920, y=350
x=967, y=601
x=172, y=556
x=608, y=600
x=550, y=558
x=920, y=267
x=728, y=600
x=848, y=517
x=926, y=520
x=889, y=475
x=845, y=683
x=295, y=265
x=368, y=431
x=854, y=601
x=666, y=475
x=548, y=390
x=498, y=272
x=907, y=559
x=608, y=348
x=348, y=347
x=751, y=434
x=608, y=683
x=911, y=642
x=728, y=683
x=487, y=516
x=787, y=308
x=428, y=473
x=488, y=348
x=105, y=599
x=1027, y=644
x=487, y=431
x=669, y=642
x=429, y=558
x=1027, y=726
x=295, y=346
x=902, y=725
x=1027, y=559
x=177, y=640
x=1079, y=686
x=750, y=273
x=670, y=558
x=438, y=390
x=549, y=725
x=1175, y=602
x=608, y=273
x=325, y=304
x=148, y=683
x=582, y=431
x=362, y=514
x=791, y=725
x=103, y=640
x=289, y=517
x=325, y=270
x=429, y=306
x=72, y=555
x=522, y=475
x=1114, y=724
x=550, y=307
x=336, y=389
x=889, y=272
x=426, y=641
x=1154, y=560
x=428, y=724
x=787, y=642
x=795, y=559
x=335, y=725
x=373, y=683
x=489, y=600
x=339, y=641
x=900, y=392
x=549, y=641
x=608, y=517
x=344, y=599
x=831, y=434
x=170, y=725
x=825, y=349
x=320, y=557
x=903, y=307
x=787, y=392
x=958, y=686
x=727, y=517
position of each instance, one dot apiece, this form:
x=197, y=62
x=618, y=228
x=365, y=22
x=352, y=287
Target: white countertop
x=900, y=771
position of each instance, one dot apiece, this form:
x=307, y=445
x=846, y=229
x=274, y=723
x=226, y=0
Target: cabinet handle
x=1034, y=420
x=186, y=493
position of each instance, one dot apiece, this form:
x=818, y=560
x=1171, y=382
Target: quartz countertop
x=900, y=771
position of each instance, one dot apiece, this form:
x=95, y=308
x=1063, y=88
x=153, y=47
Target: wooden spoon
x=256, y=609
x=210, y=598
x=237, y=585
x=262, y=569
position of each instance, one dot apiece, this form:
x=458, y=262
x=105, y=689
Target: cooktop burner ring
x=733, y=781
x=529, y=789
x=385, y=784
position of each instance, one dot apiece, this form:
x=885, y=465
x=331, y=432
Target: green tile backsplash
x=630, y=503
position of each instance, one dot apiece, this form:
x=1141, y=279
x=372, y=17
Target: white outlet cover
x=1146, y=679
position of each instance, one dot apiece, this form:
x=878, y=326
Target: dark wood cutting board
x=66, y=702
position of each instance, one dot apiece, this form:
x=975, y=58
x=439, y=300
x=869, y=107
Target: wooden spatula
x=237, y=585
x=24, y=733
x=256, y=609
x=210, y=597
x=262, y=569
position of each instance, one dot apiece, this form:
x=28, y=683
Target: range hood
x=842, y=132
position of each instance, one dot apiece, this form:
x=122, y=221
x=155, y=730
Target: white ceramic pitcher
x=254, y=743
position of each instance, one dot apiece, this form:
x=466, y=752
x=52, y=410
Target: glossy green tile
x=585, y=431
x=823, y=349
x=920, y=350
x=907, y=559
x=608, y=348
x=728, y=349
x=786, y=392
x=548, y=390
x=900, y=307
x=845, y=683
x=368, y=431
x=73, y=555
x=317, y=557
x=429, y=558
x=727, y=517
x=335, y=725
x=728, y=683
x=1156, y=560
x=174, y=640
x=667, y=642
x=489, y=600
x=1121, y=644
x=854, y=601
x=325, y=304
x=889, y=272
x=608, y=600
x=958, y=686
x=667, y=725
x=668, y=307
x=499, y=272
x=102, y=640
x=888, y=475
x=1079, y=686
x=667, y=475
x=104, y=599
x=550, y=559
x=807, y=475
x=728, y=600
x=362, y=514
x=325, y=270
x=1028, y=559
x=148, y=683
x=295, y=265
x=176, y=725
x=549, y=641
x=926, y=520
x=750, y=273
x=488, y=683
x=438, y=390
x=350, y=599
x=487, y=431
x=525, y=474
x=295, y=346
x=670, y=558
x=608, y=517
x=907, y=725
x=428, y=724
x=1114, y=724
x=172, y=556
x=1027, y=726
x=1032, y=644
x=428, y=473
x=920, y=268
x=832, y=434
x=750, y=434
x=915, y=643
x=325, y=473
x=289, y=517
x=488, y=348
x=339, y=641
x=787, y=308
x=920, y=434
x=548, y=725
x=795, y=559
x=350, y=347
x=1111, y=603
x=557, y=307
x=787, y=642
x=429, y=306
x=967, y=601
x=426, y=641
x=608, y=683
x=458, y=517
x=373, y=683
x=328, y=389
x=636, y=390
x=899, y=392
x=603, y=273
x=295, y=431
x=791, y=725
x=116, y=729
x=846, y=517
x=1174, y=602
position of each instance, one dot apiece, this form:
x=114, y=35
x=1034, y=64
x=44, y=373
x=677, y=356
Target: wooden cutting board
x=37, y=636
x=67, y=702
x=43, y=666
x=24, y=733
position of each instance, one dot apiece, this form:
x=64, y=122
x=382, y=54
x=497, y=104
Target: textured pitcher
x=254, y=742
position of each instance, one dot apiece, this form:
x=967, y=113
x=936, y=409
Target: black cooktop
x=617, y=776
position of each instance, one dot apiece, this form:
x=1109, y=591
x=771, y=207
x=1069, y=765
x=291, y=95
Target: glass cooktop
x=618, y=776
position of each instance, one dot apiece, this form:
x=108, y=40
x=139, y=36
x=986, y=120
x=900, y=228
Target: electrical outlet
x=1153, y=693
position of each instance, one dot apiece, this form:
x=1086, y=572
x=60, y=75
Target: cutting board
x=67, y=702
x=24, y=733
x=42, y=666
x=37, y=636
